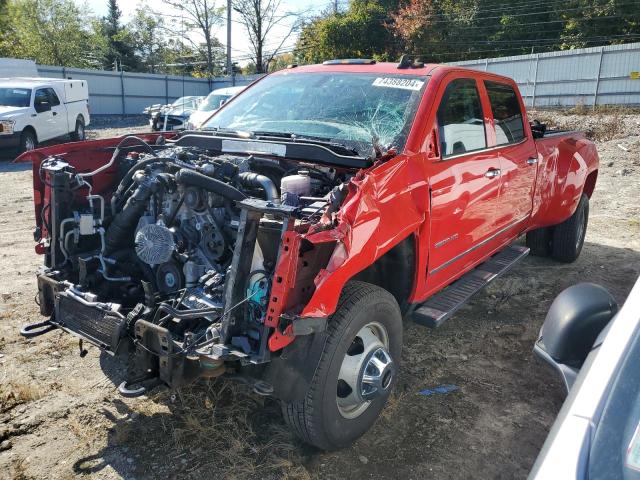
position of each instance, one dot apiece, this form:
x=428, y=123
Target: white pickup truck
x=34, y=110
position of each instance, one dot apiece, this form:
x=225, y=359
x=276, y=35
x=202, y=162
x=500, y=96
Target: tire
x=539, y=241
x=318, y=419
x=28, y=140
x=78, y=135
x=568, y=237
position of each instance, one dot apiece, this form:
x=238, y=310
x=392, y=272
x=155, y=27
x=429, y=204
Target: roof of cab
x=391, y=68
x=378, y=67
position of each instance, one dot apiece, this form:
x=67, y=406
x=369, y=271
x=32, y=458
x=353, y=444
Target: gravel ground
x=60, y=416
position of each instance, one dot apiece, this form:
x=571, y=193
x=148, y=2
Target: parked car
x=34, y=110
x=172, y=116
x=210, y=104
x=596, y=350
x=283, y=242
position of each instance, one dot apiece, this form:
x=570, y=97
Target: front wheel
x=28, y=140
x=568, y=237
x=356, y=372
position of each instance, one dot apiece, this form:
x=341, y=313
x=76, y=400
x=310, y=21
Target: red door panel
x=463, y=205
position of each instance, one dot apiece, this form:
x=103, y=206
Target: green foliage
x=358, y=32
x=51, y=32
x=449, y=30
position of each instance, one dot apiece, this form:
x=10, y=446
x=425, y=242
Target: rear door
x=464, y=179
x=517, y=152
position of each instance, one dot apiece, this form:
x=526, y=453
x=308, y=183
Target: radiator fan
x=154, y=244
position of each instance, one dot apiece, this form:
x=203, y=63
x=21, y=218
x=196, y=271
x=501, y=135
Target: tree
x=51, y=32
x=149, y=39
x=357, y=33
x=201, y=17
x=120, y=54
x=259, y=17
x=4, y=29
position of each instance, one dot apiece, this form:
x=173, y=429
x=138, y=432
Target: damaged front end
x=190, y=261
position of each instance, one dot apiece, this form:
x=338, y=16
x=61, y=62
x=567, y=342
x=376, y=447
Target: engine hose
x=126, y=179
x=250, y=179
x=120, y=231
x=116, y=153
x=130, y=257
x=194, y=179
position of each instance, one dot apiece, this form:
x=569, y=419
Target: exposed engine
x=177, y=256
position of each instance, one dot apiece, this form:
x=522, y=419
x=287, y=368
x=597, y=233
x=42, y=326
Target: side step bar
x=443, y=304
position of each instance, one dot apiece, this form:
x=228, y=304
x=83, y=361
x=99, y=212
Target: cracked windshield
x=356, y=110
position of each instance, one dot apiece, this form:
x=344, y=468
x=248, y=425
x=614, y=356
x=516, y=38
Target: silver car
x=596, y=350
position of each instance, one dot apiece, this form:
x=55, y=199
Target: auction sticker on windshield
x=394, y=82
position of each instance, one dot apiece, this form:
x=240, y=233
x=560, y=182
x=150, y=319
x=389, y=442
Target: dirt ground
x=60, y=415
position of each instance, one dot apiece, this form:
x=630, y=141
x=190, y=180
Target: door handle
x=493, y=172
x=532, y=161
x=54, y=113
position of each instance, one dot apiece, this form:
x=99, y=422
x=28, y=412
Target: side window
x=506, y=113
x=460, y=119
x=53, y=97
x=40, y=97
x=41, y=101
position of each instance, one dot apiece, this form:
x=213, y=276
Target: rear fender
x=565, y=167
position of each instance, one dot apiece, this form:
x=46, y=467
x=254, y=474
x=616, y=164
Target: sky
x=239, y=41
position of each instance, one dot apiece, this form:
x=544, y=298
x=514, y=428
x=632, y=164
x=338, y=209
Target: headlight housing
x=6, y=127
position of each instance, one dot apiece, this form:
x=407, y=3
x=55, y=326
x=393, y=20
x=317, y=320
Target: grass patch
x=17, y=392
x=221, y=429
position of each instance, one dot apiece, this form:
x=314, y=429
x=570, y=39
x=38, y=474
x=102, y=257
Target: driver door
x=464, y=180
x=44, y=121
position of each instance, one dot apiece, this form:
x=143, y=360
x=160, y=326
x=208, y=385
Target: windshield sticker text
x=403, y=83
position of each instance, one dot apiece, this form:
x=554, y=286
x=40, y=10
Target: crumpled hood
x=7, y=113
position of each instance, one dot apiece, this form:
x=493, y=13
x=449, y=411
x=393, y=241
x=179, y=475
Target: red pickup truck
x=283, y=243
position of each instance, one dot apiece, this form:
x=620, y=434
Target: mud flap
x=291, y=373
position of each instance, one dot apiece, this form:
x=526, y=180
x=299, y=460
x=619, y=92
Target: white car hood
x=10, y=112
x=198, y=117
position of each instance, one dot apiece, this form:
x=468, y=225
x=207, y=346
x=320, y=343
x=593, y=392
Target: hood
x=179, y=112
x=7, y=112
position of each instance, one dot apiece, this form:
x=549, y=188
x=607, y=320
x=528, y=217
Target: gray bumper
x=7, y=141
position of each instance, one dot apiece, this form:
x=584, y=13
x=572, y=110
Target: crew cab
x=34, y=110
x=283, y=243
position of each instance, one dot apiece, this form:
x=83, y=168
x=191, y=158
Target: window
x=460, y=119
x=41, y=98
x=53, y=97
x=506, y=113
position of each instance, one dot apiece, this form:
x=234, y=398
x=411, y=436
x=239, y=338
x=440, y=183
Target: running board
x=443, y=304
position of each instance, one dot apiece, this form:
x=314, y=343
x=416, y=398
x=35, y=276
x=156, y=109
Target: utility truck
x=284, y=242
x=34, y=110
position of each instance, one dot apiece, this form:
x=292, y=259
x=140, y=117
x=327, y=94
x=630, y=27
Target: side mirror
x=222, y=102
x=42, y=107
x=575, y=319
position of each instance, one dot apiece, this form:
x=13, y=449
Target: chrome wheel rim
x=29, y=143
x=366, y=372
x=80, y=131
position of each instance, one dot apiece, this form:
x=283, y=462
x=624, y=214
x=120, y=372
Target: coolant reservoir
x=293, y=187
